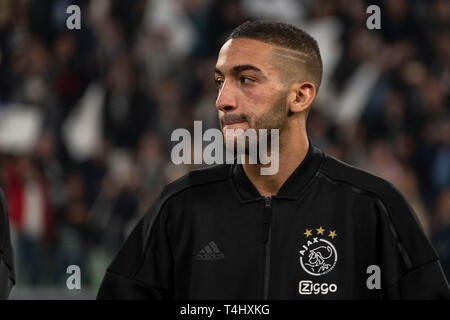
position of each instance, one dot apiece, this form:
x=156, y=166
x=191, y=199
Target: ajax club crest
x=318, y=255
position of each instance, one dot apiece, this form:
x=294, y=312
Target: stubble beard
x=275, y=118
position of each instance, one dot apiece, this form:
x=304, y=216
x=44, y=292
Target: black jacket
x=210, y=235
x=7, y=277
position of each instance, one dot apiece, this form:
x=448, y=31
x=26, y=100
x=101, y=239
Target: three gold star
x=320, y=230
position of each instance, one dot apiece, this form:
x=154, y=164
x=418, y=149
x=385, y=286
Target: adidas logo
x=210, y=252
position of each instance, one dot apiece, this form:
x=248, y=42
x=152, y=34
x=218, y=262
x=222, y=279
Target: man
x=317, y=229
x=7, y=277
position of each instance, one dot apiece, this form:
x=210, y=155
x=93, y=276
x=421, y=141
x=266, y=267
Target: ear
x=301, y=96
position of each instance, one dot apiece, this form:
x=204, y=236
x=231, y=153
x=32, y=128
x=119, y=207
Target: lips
x=228, y=123
x=236, y=125
x=230, y=119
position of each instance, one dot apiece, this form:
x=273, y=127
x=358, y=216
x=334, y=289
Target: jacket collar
x=292, y=187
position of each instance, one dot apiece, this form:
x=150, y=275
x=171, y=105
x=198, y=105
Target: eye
x=219, y=82
x=246, y=80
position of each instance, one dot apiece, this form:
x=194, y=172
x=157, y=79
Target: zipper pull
x=268, y=202
x=267, y=218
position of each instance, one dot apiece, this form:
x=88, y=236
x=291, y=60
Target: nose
x=226, y=99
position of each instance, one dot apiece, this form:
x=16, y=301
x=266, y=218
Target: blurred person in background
x=32, y=220
x=73, y=237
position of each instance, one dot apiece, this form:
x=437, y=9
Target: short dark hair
x=285, y=36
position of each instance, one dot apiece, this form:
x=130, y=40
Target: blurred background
x=86, y=115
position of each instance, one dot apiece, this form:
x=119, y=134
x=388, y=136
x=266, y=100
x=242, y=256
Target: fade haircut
x=302, y=51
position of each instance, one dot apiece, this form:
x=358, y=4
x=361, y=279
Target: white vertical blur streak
x=82, y=129
x=33, y=211
x=327, y=32
x=351, y=102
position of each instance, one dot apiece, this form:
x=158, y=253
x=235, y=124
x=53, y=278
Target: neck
x=291, y=153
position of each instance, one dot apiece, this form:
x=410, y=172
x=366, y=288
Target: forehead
x=243, y=51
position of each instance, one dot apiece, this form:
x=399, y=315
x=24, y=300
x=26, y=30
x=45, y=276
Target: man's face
x=251, y=94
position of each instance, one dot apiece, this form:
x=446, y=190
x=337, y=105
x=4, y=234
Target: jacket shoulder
x=372, y=185
x=192, y=179
x=343, y=172
x=197, y=177
x=391, y=203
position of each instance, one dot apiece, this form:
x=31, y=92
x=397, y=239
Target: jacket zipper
x=267, y=232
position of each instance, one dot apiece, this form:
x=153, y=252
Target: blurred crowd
x=94, y=110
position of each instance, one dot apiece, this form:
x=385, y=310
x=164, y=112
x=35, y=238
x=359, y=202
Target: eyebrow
x=240, y=68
